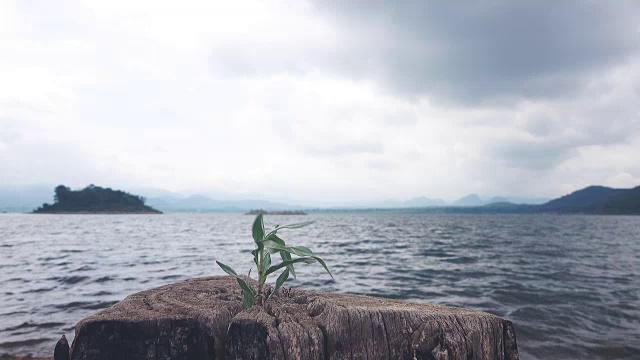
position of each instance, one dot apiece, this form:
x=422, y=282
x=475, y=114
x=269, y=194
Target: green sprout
x=268, y=244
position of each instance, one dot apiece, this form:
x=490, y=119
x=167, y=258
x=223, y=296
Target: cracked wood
x=204, y=319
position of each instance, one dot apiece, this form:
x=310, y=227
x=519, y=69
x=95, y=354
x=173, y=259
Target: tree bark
x=204, y=319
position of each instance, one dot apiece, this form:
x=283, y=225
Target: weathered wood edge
x=203, y=318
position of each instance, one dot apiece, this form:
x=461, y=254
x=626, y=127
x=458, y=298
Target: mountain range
x=591, y=200
x=24, y=198
x=201, y=203
x=27, y=198
x=596, y=200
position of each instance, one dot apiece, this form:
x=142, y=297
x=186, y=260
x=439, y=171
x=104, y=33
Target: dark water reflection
x=569, y=283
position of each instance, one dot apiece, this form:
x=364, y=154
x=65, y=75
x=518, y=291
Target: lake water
x=570, y=284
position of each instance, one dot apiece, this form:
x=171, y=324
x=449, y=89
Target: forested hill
x=95, y=199
x=597, y=200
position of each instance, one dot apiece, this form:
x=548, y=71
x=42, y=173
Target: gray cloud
x=499, y=48
x=465, y=53
x=485, y=50
x=530, y=155
x=542, y=144
x=357, y=99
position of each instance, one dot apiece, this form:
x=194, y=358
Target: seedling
x=268, y=244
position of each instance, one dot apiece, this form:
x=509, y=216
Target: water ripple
x=568, y=283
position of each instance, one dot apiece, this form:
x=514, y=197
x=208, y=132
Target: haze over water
x=568, y=283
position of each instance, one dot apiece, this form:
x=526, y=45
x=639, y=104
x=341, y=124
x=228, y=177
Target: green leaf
x=280, y=280
x=287, y=257
x=295, y=226
x=258, y=229
x=248, y=299
x=274, y=247
x=274, y=238
x=255, y=256
x=298, y=250
x=289, y=262
x=290, y=226
x=302, y=251
x=244, y=285
x=305, y=251
x=318, y=259
x=266, y=263
x=227, y=269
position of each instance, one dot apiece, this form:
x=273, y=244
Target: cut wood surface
x=204, y=319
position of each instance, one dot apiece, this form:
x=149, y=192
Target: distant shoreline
x=96, y=213
x=264, y=212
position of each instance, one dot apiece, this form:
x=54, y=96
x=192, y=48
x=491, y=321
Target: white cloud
x=252, y=97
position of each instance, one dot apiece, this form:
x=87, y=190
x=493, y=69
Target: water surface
x=568, y=283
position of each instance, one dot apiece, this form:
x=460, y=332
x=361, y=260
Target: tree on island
x=95, y=199
x=61, y=193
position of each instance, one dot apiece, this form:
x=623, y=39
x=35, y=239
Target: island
x=95, y=200
x=264, y=212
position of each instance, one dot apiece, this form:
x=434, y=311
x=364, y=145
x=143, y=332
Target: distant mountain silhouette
x=522, y=200
x=201, y=203
x=627, y=202
x=596, y=200
x=475, y=200
x=420, y=201
x=424, y=201
x=498, y=199
x=469, y=200
x=23, y=198
x=591, y=200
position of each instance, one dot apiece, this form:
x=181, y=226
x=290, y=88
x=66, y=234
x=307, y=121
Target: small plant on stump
x=267, y=244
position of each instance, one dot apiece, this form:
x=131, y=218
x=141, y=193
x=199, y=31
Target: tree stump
x=203, y=318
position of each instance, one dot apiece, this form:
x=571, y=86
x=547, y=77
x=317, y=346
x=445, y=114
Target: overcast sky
x=327, y=100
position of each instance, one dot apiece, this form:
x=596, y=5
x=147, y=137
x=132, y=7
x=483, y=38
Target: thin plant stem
x=260, y=277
